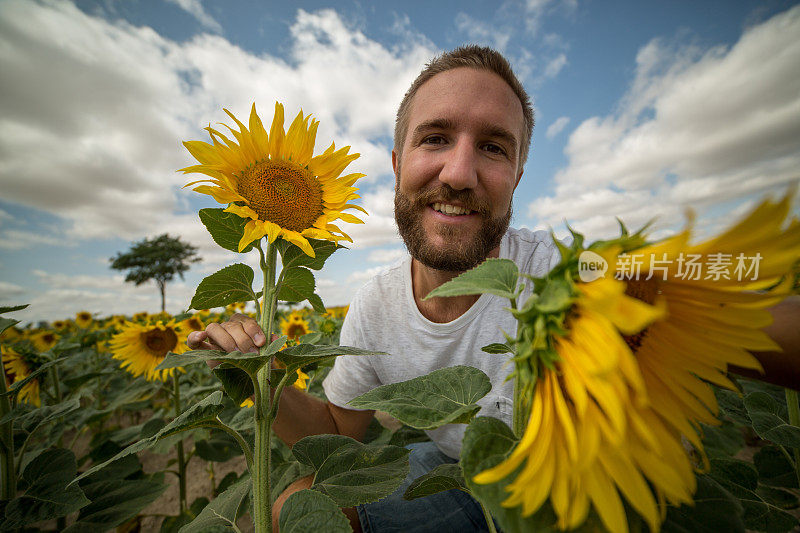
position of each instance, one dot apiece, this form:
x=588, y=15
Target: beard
x=459, y=256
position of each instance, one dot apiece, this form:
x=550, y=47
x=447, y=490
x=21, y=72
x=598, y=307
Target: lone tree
x=159, y=259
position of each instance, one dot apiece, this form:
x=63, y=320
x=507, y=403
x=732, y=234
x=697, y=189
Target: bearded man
x=461, y=139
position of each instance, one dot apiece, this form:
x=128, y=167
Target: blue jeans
x=450, y=511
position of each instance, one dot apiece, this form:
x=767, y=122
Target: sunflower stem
x=262, y=508
x=518, y=416
x=489, y=520
x=794, y=419
x=8, y=479
x=176, y=402
x=248, y=453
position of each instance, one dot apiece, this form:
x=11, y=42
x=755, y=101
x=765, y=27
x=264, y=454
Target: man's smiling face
x=458, y=168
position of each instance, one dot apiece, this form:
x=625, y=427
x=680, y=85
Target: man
x=461, y=139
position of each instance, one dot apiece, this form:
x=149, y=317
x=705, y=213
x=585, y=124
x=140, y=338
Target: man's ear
x=396, y=167
x=519, y=177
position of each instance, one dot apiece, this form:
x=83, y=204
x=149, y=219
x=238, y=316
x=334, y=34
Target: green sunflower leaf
x=497, y=348
x=763, y=507
x=202, y=414
x=225, y=228
x=224, y=509
x=297, y=285
x=236, y=383
x=17, y=385
x=49, y=494
x=443, y=477
x=6, y=323
x=770, y=419
x=298, y=356
x=445, y=396
x=232, y=284
x=774, y=469
x=12, y=308
x=493, y=276
x=316, y=303
x=308, y=510
x=349, y=472
x=714, y=509
x=293, y=256
x=487, y=442
x=118, y=493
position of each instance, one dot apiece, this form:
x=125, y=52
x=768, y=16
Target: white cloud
x=92, y=111
x=14, y=239
x=59, y=296
x=10, y=290
x=556, y=127
x=380, y=227
x=484, y=32
x=195, y=8
x=555, y=65
x=696, y=128
x=386, y=256
x=361, y=276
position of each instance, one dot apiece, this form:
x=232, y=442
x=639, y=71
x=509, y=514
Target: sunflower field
x=80, y=390
x=625, y=417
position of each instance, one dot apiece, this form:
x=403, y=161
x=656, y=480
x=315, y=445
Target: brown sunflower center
x=283, y=193
x=194, y=324
x=159, y=341
x=645, y=290
x=296, y=330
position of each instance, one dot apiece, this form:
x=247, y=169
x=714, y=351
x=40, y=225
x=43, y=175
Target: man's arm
x=780, y=368
x=299, y=413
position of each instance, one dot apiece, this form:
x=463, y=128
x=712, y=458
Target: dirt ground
x=199, y=482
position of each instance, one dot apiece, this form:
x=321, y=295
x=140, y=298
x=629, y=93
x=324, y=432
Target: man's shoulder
x=530, y=237
x=533, y=250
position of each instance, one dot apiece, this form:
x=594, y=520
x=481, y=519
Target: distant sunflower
x=143, y=347
x=83, y=319
x=338, y=312
x=617, y=385
x=274, y=181
x=17, y=367
x=44, y=340
x=295, y=326
x=58, y=325
x=140, y=316
x=193, y=323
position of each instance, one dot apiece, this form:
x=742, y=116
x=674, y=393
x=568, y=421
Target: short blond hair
x=475, y=57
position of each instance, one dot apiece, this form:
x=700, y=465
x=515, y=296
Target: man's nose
x=459, y=169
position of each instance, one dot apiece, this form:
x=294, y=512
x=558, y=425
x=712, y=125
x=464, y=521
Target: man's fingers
x=244, y=342
x=251, y=328
x=195, y=339
x=219, y=335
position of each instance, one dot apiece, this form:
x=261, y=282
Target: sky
x=643, y=109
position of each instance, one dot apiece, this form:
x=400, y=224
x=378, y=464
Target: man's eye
x=494, y=148
x=433, y=139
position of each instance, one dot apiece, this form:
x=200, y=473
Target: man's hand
x=240, y=333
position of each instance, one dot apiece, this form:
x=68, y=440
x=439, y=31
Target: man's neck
x=442, y=309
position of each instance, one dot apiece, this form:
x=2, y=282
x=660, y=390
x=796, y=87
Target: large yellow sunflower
x=588, y=414
x=17, y=368
x=275, y=182
x=142, y=347
x=630, y=380
x=295, y=326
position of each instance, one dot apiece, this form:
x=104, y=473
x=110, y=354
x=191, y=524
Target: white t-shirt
x=383, y=316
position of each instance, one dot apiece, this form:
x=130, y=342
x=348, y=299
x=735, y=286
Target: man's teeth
x=448, y=209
